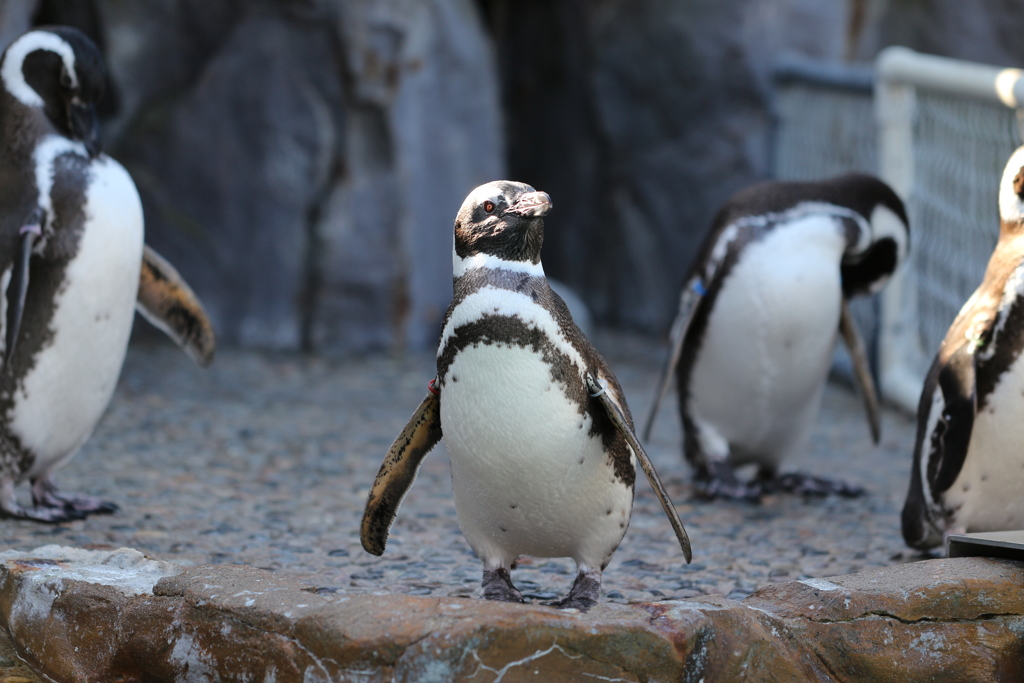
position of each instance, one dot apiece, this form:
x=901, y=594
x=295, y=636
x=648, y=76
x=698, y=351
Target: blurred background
x=301, y=161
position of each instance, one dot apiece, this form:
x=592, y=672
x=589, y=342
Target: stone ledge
x=79, y=615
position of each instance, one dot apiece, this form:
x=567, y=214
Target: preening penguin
x=758, y=318
x=73, y=267
x=537, y=428
x=968, y=472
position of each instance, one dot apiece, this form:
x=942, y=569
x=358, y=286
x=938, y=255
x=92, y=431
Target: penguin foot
x=585, y=592
x=497, y=585
x=46, y=495
x=43, y=513
x=810, y=487
x=718, y=480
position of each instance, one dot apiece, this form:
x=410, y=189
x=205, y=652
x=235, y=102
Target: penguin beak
x=532, y=204
x=85, y=126
x=18, y=286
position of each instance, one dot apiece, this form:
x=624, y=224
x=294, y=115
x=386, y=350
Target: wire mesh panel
x=824, y=127
x=823, y=131
x=960, y=146
x=946, y=130
x=825, y=123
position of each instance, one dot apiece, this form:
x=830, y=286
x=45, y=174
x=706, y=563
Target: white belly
x=989, y=493
x=758, y=378
x=527, y=478
x=68, y=388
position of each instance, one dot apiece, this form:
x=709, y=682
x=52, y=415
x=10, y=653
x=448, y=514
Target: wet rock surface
x=266, y=460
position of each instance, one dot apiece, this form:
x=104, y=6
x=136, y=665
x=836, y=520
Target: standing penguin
x=537, y=428
x=758, y=318
x=968, y=472
x=73, y=267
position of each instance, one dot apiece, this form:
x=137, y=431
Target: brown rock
x=957, y=588
x=84, y=615
x=937, y=620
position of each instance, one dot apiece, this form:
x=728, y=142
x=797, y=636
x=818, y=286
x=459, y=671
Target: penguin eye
x=488, y=206
x=65, y=78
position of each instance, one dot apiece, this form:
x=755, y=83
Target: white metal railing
x=945, y=129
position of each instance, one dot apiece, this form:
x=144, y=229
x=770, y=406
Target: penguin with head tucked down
x=537, y=428
x=73, y=269
x=758, y=319
x=968, y=471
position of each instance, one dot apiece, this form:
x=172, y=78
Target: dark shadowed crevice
x=554, y=139
x=313, y=285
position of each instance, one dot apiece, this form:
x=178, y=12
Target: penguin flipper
x=170, y=305
x=949, y=439
x=397, y=473
x=861, y=369
x=689, y=300
x=17, y=288
x=619, y=420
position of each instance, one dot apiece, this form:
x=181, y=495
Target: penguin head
x=503, y=219
x=1011, y=191
x=867, y=266
x=60, y=71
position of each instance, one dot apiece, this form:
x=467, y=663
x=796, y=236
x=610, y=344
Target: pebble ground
x=266, y=460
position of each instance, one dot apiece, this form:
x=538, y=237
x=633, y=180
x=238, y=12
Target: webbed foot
x=45, y=494
x=809, y=486
x=718, y=480
x=497, y=585
x=585, y=592
x=38, y=513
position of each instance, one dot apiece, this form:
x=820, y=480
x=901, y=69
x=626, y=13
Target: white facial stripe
x=494, y=301
x=14, y=59
x=885, y=223
x=1011, y=208
x=460, y=266
x=46, y=152
x=481, y=194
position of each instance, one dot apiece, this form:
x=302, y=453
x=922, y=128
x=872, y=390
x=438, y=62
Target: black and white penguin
x=968, y=472
x=537, y=428
x=73, y=268
x=758, y=318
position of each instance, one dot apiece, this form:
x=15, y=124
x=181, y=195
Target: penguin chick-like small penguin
x=758, y=318
x=73, y=268
x=537, y=428
x=968, y=472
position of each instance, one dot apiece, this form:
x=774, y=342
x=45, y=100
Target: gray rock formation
x=640, y=118
x=986, y=31
x=301, y=162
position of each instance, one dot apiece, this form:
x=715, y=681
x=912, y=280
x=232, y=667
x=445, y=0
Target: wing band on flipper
x=688, y=301
x=166, y=301
x=597, y=391
x=858, y=354
x=397, y=473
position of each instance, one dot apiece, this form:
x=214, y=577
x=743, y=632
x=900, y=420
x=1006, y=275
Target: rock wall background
x=301, y=161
